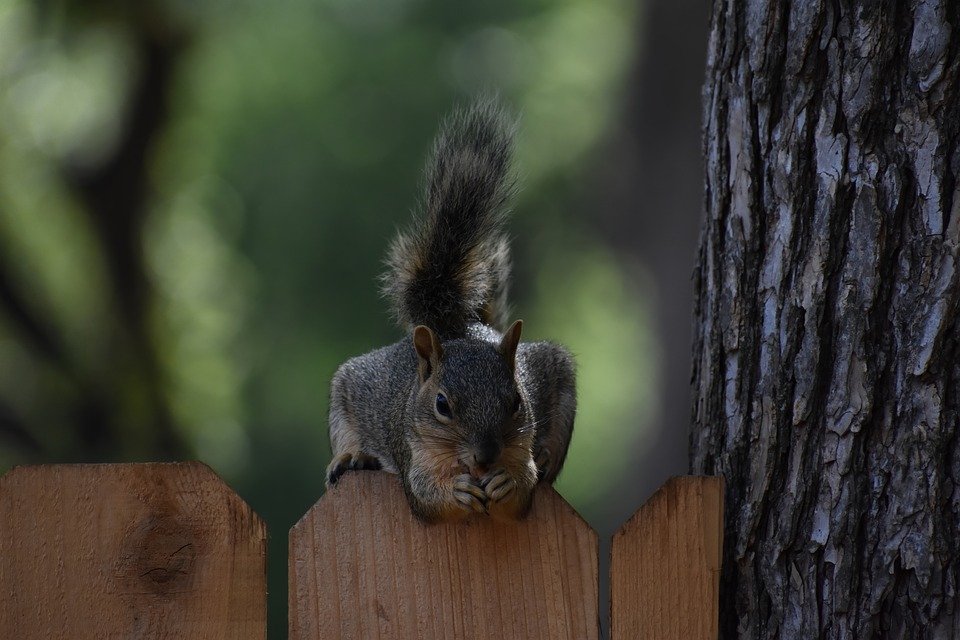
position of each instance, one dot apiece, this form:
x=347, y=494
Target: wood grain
x=361, y=566
x=128, y=551
x=665, y=566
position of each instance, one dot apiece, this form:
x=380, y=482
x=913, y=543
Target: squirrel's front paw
x=498, y=485
x=350, y=461
x=469, y=494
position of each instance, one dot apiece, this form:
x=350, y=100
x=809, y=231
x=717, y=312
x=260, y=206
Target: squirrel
x=470, y=418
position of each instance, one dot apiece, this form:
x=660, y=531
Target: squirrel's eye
x=443, y=407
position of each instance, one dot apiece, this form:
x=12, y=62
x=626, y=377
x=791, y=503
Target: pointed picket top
x=129, y=550
x=362, y=566
x=665, y=564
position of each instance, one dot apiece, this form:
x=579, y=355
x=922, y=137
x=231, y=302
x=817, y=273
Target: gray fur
x=450, y=275
x=548, y=373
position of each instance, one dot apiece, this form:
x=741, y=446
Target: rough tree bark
x=826, y=365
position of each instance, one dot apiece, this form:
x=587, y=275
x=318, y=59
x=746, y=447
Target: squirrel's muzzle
x=482, y=456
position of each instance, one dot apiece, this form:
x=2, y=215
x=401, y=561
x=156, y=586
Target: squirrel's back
x=451, y=268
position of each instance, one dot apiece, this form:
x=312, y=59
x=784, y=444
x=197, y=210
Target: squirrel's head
x=470, y=411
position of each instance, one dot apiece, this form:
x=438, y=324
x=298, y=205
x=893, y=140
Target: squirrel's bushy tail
x=452, y=266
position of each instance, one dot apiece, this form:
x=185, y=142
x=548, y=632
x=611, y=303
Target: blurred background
x=195, y=198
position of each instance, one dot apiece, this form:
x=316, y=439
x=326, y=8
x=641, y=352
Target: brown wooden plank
x=361, y=566
x=128, y=551
x=665, y=566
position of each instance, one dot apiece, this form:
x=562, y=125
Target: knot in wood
x=159, y=557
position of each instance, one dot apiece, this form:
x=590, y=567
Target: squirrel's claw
x=350, y=462
x=469, y=494
x=498, y=485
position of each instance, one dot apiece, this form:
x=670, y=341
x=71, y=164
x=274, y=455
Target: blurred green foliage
x=289, y=153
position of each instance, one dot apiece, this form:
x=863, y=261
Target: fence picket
x=665, y=567
x=128, y=551
x=361, y=566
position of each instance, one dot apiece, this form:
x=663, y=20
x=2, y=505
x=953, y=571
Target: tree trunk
x=826, y=372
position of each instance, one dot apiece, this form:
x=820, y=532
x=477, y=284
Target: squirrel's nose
x=486, y=454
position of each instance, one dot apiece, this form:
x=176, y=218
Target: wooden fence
x=169, y=551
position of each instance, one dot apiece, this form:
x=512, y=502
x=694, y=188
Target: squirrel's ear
x=509, y=342
x=428, y=349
